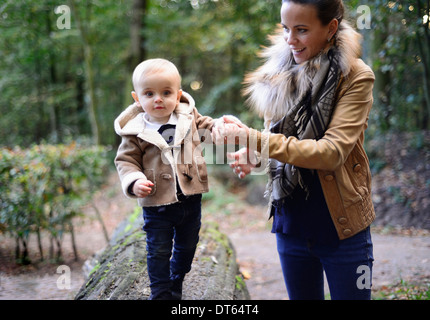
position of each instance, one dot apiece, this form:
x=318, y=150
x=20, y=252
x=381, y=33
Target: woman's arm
x=347, y=126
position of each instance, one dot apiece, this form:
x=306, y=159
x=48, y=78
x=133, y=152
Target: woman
x=315, y=95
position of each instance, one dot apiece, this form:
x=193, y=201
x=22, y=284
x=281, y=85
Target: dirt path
x=396, y=257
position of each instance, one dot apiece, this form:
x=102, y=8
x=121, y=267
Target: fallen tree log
x=119, y=271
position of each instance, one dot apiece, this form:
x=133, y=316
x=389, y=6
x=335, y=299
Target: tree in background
x=60, y=83
x=401, y=60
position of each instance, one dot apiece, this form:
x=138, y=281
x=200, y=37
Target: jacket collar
x=131, y=122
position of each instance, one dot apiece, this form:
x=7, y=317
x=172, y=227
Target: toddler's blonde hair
x=151, y=66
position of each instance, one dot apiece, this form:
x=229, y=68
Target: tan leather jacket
x=339, y=157
x=144, y=153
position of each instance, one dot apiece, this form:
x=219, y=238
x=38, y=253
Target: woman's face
x=303, y=30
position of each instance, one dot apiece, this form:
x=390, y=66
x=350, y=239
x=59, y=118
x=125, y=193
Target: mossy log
x=119, y=271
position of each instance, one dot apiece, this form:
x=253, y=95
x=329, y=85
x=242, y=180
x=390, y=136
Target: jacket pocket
x=202, y=172
x=150, y=175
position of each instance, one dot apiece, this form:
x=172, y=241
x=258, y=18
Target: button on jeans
x=176, y=227
x=348, y=267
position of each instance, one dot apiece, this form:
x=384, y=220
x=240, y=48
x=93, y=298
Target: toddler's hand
x=142, y=188
x=235, y=129
x=218, y=135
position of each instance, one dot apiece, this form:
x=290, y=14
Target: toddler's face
x=158, y=94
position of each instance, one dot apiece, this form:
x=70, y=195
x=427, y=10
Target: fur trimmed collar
x=275, y=86
x=131, y=122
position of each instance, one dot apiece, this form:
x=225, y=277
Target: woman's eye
x=302, y=30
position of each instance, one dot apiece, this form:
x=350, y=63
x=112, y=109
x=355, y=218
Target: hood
x=274, y=87
x=130, y=121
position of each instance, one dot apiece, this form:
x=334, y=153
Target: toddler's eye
x=149, y=94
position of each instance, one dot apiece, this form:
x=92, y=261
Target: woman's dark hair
x=327, y=9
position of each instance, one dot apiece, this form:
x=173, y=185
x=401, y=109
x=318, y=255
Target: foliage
x=45, y=92
x=400, y=55
x=404, y=290
x=48, y=91
x=44, y=187
x=214, y=43
x=60, y=83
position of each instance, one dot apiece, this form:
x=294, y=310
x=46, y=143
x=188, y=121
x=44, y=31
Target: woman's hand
x=242, y=164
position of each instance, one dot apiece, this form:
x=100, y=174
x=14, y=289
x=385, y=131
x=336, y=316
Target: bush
x=43, y=188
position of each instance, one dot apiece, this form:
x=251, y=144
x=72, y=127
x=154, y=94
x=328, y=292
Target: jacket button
x=347, y=232
x=329, y=177
x=342, y=220
x=166, y=176
x=357, y=167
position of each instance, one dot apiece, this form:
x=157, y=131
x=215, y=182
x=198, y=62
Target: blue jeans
x=348, y=267
x=176, y=227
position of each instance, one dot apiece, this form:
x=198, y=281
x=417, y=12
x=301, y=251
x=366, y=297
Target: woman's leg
x=303, y=272
x=349, y=267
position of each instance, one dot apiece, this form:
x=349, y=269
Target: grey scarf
x=308, y=119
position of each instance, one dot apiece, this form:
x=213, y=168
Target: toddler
x=159, y=163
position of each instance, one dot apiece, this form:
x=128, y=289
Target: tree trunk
x=382, y=84
x=119, y=272
x=424, y=48
x=100, y=219
x=53, y=107
x=39, y=243
x=137, y=44
x=89, y=70
x=72, y=234
x=138, y=51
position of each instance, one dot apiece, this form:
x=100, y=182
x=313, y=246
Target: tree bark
x=424, y=50
x=89, y=70
x=382, y=84
x=119, y=272
x=137, y=44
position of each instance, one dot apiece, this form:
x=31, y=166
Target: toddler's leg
x=185, y=242
x=159, y=235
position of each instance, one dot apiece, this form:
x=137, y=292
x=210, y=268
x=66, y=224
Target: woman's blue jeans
x=176, y=227
x=348, y=267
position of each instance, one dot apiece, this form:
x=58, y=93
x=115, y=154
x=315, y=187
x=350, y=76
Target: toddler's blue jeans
x=176, y=227
x=348, y=267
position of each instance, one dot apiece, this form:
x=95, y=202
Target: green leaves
x=401, y=62
x=44, y=187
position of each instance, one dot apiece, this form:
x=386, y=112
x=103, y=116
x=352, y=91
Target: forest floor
x=401, y=233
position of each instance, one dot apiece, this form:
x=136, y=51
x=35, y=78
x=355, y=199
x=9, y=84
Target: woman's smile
x=297, y=52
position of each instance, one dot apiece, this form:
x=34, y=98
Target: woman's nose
x=290, y=38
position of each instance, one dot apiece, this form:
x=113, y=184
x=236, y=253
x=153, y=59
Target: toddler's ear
x=135, y=97
x=179, y=94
